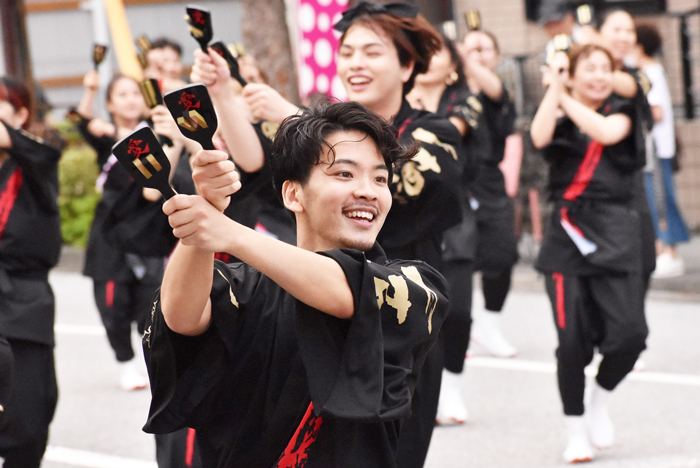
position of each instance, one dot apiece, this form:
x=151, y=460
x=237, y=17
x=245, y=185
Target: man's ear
x=407, y=71
x=292, y=196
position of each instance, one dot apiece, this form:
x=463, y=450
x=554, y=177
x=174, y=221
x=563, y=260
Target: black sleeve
x=102, y=145
x=39, y=162
x=367, y=369
x=499, y=115
x=627, y=154
x=185, y=371
x=460, y=103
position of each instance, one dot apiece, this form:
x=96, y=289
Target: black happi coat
x=275, y=383
x=496, y=248
x=103, y=260
x=592, y=187
x=457, y=101
x=495, y=124
x=428, y=193
x=30, y=238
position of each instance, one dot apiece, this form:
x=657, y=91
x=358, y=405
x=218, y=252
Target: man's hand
x=212, y=70
x=197, y=223
x=215, y=177
x=267, y=104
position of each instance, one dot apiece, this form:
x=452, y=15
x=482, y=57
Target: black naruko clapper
x=150, y=88
x=199, y=21
x=232, y=61
x=194, y=113
x=144, y=159
x=98, y=54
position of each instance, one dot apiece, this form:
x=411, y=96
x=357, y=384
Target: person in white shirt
x=661, y=148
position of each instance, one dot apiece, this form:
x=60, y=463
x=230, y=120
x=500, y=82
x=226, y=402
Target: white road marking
x=87, y=459
x=551, y=368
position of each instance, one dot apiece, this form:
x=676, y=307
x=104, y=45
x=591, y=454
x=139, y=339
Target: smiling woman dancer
x=591, y=254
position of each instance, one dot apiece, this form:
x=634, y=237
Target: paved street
x=515, y=419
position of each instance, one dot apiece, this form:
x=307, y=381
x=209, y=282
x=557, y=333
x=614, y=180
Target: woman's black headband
x=368, y=8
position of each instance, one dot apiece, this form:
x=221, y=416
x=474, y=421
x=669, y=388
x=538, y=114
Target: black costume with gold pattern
x=275, y=383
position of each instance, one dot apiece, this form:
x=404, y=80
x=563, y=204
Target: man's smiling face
x=346, y=198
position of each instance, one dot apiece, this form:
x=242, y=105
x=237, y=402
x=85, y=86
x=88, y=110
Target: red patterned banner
x=318, y=47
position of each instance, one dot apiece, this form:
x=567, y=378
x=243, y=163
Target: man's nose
x=364, y=188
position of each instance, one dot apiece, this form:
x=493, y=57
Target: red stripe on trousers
x=109, y=293
x=585, y=171
x=296, y=454
x=561, y=304
x=8, y=197
x=189, y=454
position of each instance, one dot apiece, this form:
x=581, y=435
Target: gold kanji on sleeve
x=413, y=274
x=400, y=300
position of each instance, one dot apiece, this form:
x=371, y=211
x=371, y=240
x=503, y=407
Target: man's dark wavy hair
x=302, y=138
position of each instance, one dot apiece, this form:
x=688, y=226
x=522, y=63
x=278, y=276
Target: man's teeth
x=360, y=214
x=358, y=80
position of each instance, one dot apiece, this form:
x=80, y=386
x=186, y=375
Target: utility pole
x=15, y=44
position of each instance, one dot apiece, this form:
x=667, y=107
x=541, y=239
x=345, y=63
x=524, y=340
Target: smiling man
x=299, y=356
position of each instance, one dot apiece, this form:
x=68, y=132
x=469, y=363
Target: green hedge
x=78, y=197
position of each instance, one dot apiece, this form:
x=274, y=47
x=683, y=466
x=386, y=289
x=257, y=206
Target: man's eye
x=381, y=180
x=344, y=174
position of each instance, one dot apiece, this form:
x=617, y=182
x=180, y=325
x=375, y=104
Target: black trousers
x=456, y=330
x=417, y=430
x=495, y=285
x=606, y=312
x=497, y=250
x=24, y=428
x=178, y=450
x=119, y=304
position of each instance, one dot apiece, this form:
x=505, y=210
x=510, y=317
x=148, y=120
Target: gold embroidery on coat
x=269, y=129
x=413, y=181
x=147, y=336
x=475, y=104
x=413, y=274
x=426, y=161
x=234, y=301
x=425, y=136
x=400, y=300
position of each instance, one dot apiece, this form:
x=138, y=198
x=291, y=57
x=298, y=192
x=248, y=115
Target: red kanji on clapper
x=186, y=101
x=197, y=16
x=135, y=148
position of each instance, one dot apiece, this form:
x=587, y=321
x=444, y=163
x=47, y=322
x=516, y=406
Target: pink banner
x=318, y=47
